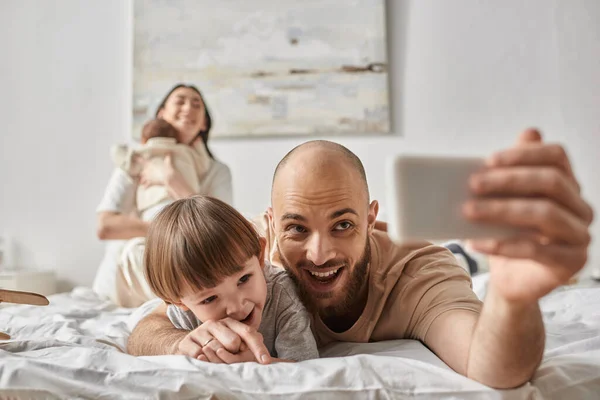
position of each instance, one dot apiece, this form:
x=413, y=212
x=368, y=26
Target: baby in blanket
x=159, y=139
x=207, y=262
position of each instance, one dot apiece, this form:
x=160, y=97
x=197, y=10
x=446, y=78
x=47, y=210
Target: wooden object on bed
x=14, y=296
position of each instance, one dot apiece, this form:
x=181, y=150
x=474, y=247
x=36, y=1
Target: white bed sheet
x=73, y=348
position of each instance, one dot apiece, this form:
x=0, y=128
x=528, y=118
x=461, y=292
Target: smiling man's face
x=322, y=220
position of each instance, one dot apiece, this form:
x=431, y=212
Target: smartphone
x=425, y=196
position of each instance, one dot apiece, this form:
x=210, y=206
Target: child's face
x=241, y=296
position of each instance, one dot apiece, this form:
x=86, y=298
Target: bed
x=74, y=348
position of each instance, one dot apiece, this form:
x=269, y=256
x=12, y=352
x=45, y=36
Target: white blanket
x=73, y=348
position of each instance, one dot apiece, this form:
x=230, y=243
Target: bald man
x=361, y=287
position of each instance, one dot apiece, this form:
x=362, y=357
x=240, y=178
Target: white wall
x=64, y=99
x=467, y=76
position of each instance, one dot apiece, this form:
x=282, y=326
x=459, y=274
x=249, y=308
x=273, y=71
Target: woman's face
x=184, y=109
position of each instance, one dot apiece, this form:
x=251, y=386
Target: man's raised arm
x=530, y=186
x=502, y=348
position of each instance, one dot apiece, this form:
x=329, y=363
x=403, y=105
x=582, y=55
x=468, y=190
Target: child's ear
x=181, y=306
x=261, y=256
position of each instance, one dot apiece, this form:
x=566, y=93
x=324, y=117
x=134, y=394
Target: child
x=207, y=261
x=159, y=138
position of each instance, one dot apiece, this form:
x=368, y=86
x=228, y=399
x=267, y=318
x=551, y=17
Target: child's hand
x=228, y=334
x=214, y=352
x=245, y=355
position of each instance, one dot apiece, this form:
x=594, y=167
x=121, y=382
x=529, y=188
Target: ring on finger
x=208, y=341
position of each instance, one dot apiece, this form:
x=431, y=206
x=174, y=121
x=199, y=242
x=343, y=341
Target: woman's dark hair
x=204, y=132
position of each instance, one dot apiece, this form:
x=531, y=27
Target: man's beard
x=351, y=292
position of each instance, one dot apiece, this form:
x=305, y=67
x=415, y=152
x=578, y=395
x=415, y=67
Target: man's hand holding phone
x=522, y=206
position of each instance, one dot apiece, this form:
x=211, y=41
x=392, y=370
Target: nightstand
x=24, y=280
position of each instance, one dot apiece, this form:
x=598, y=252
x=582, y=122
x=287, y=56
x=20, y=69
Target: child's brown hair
x=197, y=241
x=158, y=128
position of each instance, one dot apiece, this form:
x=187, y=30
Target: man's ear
x=159, y=114
x=261, y=256
x=271, y=218
x=372, y=216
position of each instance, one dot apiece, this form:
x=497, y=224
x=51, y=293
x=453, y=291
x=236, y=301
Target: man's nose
x=320, y=249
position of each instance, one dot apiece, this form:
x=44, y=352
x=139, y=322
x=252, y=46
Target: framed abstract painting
x=266, y=67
